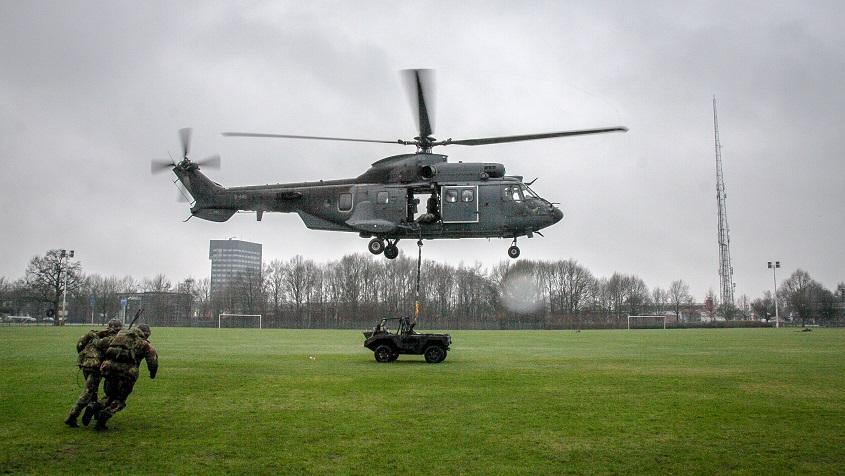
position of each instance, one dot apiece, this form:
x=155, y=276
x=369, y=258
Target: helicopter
x=463, y=200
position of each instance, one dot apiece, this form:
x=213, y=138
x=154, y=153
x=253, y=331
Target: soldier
x=90, y=348
x=121, y=367
x=432, y=214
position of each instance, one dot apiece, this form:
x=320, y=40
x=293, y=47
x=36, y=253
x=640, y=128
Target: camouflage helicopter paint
x=463, y=200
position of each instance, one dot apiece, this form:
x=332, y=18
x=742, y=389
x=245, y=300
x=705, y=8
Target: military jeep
x=387, y=345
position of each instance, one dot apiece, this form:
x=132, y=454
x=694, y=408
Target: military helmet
x=145, y=328
x=115, y=324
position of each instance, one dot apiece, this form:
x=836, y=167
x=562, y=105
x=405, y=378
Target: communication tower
x=726, y=271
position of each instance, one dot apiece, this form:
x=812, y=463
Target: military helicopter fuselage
x=408, y=196
x=385, y=203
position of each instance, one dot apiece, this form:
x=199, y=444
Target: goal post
x=661, y=319
x=226, y=317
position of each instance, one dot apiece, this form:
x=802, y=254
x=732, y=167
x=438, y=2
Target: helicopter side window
x=451, y=196
x=344, y=203
x=382, y=197
x=467, y=196
x=513, y=192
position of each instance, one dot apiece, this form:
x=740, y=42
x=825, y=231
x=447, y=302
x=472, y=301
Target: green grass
x=252, y=401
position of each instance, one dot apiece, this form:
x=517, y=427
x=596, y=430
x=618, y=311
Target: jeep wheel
x=383, y=353
x=435, y=354
x=394, y=356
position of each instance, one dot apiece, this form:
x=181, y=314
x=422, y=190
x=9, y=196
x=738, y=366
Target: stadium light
x=65, y=255
x=774, y=268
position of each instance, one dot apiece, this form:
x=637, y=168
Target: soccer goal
x=647, y=322
x=238, y=320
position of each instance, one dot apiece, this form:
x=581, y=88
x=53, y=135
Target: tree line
x=357, y=289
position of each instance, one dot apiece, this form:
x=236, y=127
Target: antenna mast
x=726, y=271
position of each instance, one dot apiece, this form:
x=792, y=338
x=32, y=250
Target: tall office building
x=232, y=261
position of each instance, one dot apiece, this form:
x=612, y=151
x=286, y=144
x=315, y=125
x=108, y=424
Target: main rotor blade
x=157, y=166
x=287, y=136
x=419, y=84
x=545, y=135
x=185, y=139
x=212, y=162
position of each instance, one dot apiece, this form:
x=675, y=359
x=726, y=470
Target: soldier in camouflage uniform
x=120, y=369
x=90, y=348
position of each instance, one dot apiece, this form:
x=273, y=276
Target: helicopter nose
x=557, y=215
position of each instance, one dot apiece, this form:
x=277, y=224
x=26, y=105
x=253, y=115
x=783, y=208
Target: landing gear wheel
x=435, y=354
x=384, y=354
x=513, y=251
x=376, y=246
x=391, y=252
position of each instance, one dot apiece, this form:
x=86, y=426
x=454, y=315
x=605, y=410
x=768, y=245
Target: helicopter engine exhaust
x=461, y=171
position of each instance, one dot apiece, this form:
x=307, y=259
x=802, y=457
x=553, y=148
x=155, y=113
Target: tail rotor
x=211, y=162
x=185, y=140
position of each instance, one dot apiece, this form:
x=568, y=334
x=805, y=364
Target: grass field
x=253, y=401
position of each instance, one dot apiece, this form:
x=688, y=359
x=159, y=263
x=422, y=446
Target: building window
x=382, y=197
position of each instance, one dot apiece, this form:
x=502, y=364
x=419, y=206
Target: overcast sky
x=90, y=92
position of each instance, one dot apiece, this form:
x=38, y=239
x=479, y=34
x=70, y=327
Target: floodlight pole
x=775, y=293
x=65, y=256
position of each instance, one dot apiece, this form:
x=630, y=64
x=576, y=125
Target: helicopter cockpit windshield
x=520, y=193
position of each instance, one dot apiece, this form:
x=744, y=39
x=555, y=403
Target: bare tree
x=825, y=303
x=636, y=294
x=5, y=293
x=295, y=281
x=106, y=291
x=314, y=290
x=764, y=307
x=678, y=293
x=399, y=284
x=157, y=284
x=369, y=271
x=658, y=298
x=274, y=273
x=798, y=293
x=249, y=292
x=617, y=291
x=46, y=277
x=690, y=302
x=442, y=278
x=711, y=302
x=743, y=306
x=202, y=298
x=601, y=296
x=575, y=281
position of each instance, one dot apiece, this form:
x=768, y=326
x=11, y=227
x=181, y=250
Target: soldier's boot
x=72, y=415
x=101, y=422
x=90, y=410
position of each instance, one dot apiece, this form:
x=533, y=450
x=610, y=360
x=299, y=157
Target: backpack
x=122, y=346
x=89, y=356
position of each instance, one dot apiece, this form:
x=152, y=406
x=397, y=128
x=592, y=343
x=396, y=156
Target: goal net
x=646, y=322
x=239, y=320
